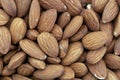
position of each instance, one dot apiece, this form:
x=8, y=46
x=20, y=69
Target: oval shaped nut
x=53, y=4
x=32, y=49
x=94, y=40
x=18, y=29
x=4, y=18
x=74, y=52
x=74, y=6
x=16, y=60
x=19, y=77
x=50, y=72
x=9, y=6
x=47, y=20
x=34, y=14
x=80, y=34
x=36, y=63
x=56, y=60
x=22, y=7
x=32, y=34
x=89, y=76
x=6, y=78
x=95, y=56
x=68, y=74
x=5, y=40
x=48, y=44
x=112, y=61
x=7, y=72
x=57, y=32
x=109, y=13
x=117, y=47
x=25, y=69
x=73, y=27
x=91, y=19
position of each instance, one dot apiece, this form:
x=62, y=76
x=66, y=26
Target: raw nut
x=1, y=65
x=95, y=56
x=110, y=11
x=5, y=40
x=79, y=68
x=64, y=19
x=32, y=49
x=98, y=5
x=112, y=61
x=73, y=27
x=50, y=72
x=18, y=29
x=74, y=6
x=22, y=7
x=117, y=47
x=6, y=78
x=7, y=72
x=80, y=34
x=89, y=76
x=25, y=69
x=57, y=32
x=48, y=44
x=95, y=40
x=117, y=72
x=99, y=69
x=9, y=6
x=110, y=47
x=47, y=20
x=91, y=19
x=68, y=74
x=74, y=52
x=34, y=14
x=19, y=77
x=51, y=60
x=4, y=18
x=53, y=4
x=16, y=60
x=32, y=34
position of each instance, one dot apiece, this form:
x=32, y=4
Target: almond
x=116, y=47
x=19, y=77
x=117, y=72
x=34, y=14
x=89, y=76
x=7, y=72
x=1, y=65
x=47, y=20
x=94, y=40
x=48, y=44
x=110, y=47
x=74, y=52
x=32, y=49
x=18, y=29
x=56, y=60
x=5, y=78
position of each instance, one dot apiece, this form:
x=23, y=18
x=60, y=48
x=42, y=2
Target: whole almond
x=109, y=13
x=5, y=40
x=74, y=52
x=91, y=19
x=116, y=47
x=9, y=6
x=53, y=4
x=74, y=6
x=64, y=19
x=7, y=72
x=95, y=40
x=95, y=56
x=5, y=78
x=47, y=20
x=68, y=74
x=48, y=44
x=19, y=77
x=89, y=76
x=50, y=72
x=34, y=14
x=16, y=60
x=73, y=26
x=22, y=7
x=37, y=63
x=18, y=29
x=51, y=60
x=32, y=49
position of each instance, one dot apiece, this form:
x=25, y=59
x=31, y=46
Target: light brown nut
x=51, y=60
x=89, y=76
x=7, y=72
x=19, y=77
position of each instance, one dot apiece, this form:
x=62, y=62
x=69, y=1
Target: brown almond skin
x=91, y=19
x=19, y=77
x=73, y=27
x=117, y=72
x=50, y=72
x=74, y=6
x=47, y=20
x=1, y=65
x=22, y=7
x=116, y=47
x=68, y=74
x=64, y=19
x=9, y=6
x=34, y=14
x=48, y=44
x=89, y=76
x=110, y=47
x=74, y=52
x=7, y=72
x=51, y=60
x=94, y=40
x=109, y=13
x=6, y=78
x=18, y=29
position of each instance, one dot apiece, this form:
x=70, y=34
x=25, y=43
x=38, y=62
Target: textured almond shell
x=19, y=77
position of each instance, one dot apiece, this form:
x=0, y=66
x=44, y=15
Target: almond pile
x=59, y=40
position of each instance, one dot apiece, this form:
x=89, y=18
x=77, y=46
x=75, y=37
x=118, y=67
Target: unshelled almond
x=52, y=60
x=19, y=77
